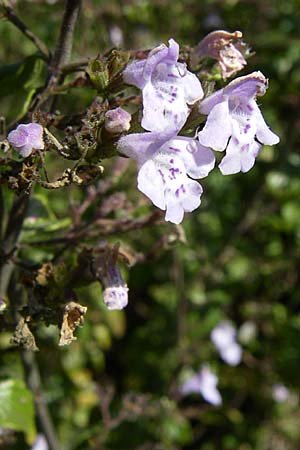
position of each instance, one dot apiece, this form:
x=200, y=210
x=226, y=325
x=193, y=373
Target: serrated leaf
x=17, y=408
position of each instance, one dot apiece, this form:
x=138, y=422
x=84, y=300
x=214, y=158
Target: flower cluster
x=169, y=165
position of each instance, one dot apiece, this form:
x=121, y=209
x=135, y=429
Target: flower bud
x=99, y=75
x=117, y=121
x=227, y=48
x=27, y=137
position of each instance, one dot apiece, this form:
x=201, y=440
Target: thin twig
x=14, y=19
x=34, y=382
x=11, y=237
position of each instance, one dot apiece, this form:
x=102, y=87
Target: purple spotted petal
x=164, y=107
x=167, y=88
x=235, y=122
x=198, y=160
x=163, y=179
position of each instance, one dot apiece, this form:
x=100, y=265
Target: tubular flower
x=236, y=124
x=26, y=138
x=164, y=166
x=167, y=88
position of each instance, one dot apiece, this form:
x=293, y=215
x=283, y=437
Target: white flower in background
x=40, y=443
x=205, y=383
x=280, y=393
x=223, y=337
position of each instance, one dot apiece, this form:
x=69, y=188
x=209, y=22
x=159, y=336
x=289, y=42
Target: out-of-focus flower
x=117, y=121
x=280, y=393
x=27, y=137
x=223, y=337
x=205, y=383
x=167, y=87
x=227, y=48
x=116, y=36
x=40, y=443
x=235, y=123
x=164, y=163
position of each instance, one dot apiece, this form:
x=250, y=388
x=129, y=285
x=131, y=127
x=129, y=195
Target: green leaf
x=17, y=408
x=21, y=81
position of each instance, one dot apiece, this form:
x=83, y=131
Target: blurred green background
x=237, y=258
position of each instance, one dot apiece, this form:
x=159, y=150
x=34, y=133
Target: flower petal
x=156, y=55
x=192, y=88
x=139, y=146
x=210, y=102
x=264, y=134
x=209, y=389
x=198, y=160
x=232, y=354
x=248, y=86
x=164, y=107
x=133, y=74
x=151, y=183
x=35, y=134
x=218, y=128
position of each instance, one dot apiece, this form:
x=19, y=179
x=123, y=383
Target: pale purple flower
x=167, y=87
x=116, y=297
x=40, y=443
x=27, y=137
x=105, y=267
x=227, y=48
x=165, y=163
x=205, y=383
x=280, y=393
x=236, y=124
x=223, y=337
x=117, y=121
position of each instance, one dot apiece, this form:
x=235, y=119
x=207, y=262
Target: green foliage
x=17, y=409
x=237, y=257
